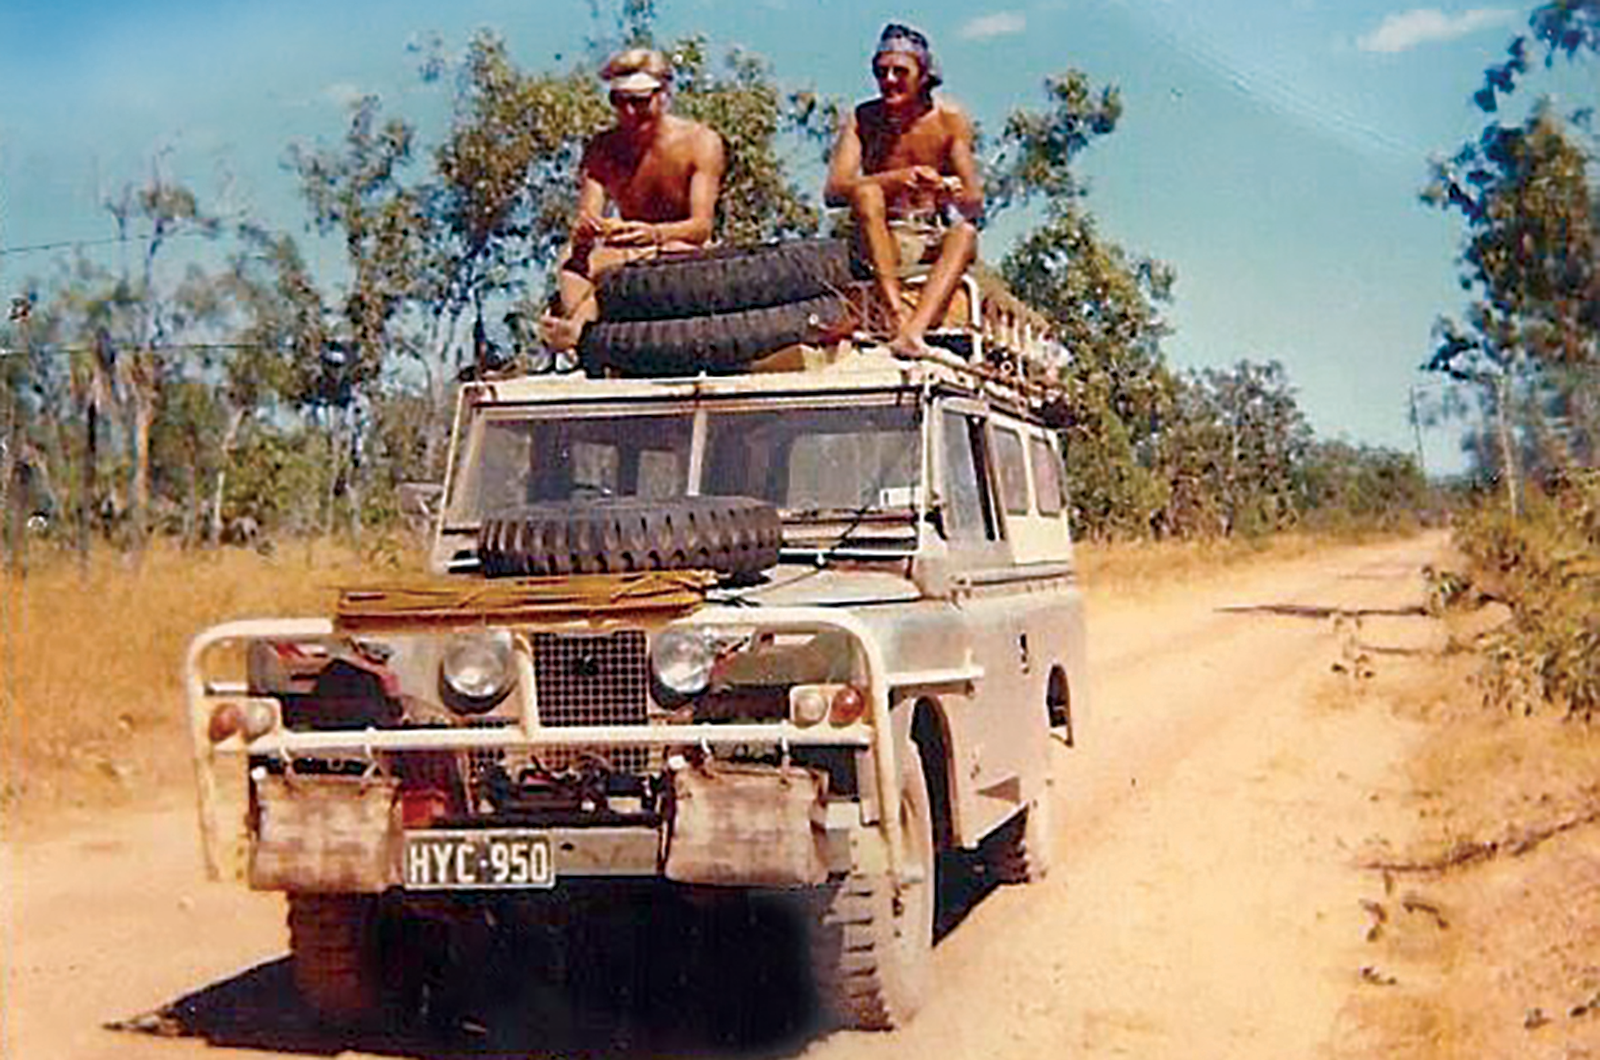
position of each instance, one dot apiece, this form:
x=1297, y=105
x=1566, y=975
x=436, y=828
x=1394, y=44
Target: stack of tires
x=718, y=309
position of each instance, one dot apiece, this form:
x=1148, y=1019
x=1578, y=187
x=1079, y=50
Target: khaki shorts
x=917, y=244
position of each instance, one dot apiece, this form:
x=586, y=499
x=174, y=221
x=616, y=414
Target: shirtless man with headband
x=905, y=160
x=662, y=173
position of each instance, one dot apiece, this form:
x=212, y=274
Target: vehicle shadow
x=667, y=977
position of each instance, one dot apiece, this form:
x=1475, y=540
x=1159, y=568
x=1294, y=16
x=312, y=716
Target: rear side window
x=971, y=515
x=1047, y=477
x=1012, y=471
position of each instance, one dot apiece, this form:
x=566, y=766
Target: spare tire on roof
x=737, y=537
x=718, y=344
x=724, y=280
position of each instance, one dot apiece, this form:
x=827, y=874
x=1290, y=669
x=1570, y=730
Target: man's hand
x=631, y=234
x=923, y=179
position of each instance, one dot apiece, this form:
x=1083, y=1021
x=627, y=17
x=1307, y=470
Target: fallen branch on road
x=1472, y=851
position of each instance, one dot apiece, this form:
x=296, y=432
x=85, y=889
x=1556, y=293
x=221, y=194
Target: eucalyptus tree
x=1525, y=192
x=1103, y=301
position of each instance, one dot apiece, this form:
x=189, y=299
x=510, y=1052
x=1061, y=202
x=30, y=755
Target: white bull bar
x=526, y=732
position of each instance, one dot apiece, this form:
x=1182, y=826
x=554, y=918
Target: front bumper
x=729, y=826
x=227, y=804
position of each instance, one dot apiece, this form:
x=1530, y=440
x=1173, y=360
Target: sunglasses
x=625, y=100
x=894, y=71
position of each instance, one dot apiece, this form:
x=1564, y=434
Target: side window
x=1047, y=477
x=1013, y=472
x=970, y=514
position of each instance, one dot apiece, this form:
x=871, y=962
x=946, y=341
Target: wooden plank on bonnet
x=447, y=601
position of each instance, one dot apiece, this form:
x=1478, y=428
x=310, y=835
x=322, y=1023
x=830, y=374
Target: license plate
x=473, y=860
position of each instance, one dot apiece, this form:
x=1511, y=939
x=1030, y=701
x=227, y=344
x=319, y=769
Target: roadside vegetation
x=1485, y=918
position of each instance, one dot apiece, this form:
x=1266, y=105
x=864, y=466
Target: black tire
x=737, y=537
x=724, y=280
x=718, y=344
x=871, y=952
x=1022, y=850
x=333, y=947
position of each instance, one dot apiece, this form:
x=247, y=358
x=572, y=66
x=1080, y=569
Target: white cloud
x=343, y=94
x=999, y=24
x=1427, y=25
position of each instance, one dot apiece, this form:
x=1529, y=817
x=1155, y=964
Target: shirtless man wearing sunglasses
x=904, y=165
x=661, y=172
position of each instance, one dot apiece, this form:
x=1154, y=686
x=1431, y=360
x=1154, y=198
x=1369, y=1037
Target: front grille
x=593, y=679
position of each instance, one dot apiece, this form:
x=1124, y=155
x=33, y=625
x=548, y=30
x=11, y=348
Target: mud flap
x=326, y=835
x=748, y=826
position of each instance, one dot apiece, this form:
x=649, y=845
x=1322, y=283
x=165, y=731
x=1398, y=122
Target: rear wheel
x=1024, y=847
x=872, y=948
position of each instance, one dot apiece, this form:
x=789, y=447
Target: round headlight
x=476, y=672
x=682, y=659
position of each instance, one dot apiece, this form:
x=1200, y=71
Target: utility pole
x=21, y=315
x=1416, y=430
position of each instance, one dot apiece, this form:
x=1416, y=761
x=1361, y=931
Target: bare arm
x=704, y=185
x=844, y=168
x=845, y=175
x=969, y=200
x=591, y=200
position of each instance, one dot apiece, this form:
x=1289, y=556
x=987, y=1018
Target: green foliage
x=1038, y=148
x=1532, y=252
x=1346, y=485
x=1102, y=303
x=1530, y=261
x=1546, y=567
x=281, y=478
x=1562, y=27
x=760, y=201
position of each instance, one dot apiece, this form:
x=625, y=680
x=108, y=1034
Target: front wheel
x=872, y=948
x=333, y=946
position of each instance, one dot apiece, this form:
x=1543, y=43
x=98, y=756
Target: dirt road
x=1205, y=903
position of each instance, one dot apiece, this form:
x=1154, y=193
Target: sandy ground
x=1207, y=902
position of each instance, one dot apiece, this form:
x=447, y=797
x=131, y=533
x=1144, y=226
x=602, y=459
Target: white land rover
x=800, y=628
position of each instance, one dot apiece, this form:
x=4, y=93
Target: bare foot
x=908, y=345
x=559, y=333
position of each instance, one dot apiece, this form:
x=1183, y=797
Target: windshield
x=802, y=460
x=516, y=460
x=816, y=460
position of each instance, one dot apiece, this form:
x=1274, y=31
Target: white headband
x=637, y=83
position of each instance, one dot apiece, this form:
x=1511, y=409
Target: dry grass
x=1492, y=956
x=1137, y=566
x=91, y=703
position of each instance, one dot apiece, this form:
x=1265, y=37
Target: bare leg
x=872, y=224
x=956, y=252
x=578, y=305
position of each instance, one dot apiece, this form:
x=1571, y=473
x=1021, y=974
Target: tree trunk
x=86, y=503
x=230, y=438
x=1508, y=456
x=143, y=418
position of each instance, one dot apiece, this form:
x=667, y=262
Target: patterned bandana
x=904, y=39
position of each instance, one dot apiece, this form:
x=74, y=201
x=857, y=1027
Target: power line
x=33, y=248
x=12, y=351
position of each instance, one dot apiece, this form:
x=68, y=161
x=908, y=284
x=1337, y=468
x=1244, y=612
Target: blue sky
x=1271, y=150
